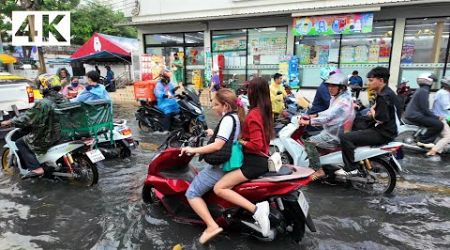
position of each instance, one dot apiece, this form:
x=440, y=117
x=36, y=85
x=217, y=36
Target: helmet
x=445, y=81
x=48, y=81
x=326, y=72
x=337, y=79
x=426, y=79
x=165, y=76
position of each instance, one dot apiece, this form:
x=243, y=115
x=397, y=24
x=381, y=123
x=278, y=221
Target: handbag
x=236, y=159
x=274, y=162
x=224, y=154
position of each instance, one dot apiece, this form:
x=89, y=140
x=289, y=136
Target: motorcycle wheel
x=86, y=170
x=144, y=127
x=7, y=169
x=148, y=195
x=380, y=176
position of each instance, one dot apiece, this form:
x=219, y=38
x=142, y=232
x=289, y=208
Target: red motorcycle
x=169, y=176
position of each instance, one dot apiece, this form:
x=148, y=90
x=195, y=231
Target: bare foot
x=431, y=153
x=38, y=170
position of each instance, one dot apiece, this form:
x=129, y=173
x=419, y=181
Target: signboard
x=334, y=24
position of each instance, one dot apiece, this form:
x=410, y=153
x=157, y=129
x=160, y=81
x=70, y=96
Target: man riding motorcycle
x=337, y=119
x=418, y=110
x=322, y=98
x=165, y=96
x=42, y=127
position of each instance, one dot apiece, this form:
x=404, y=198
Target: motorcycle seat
x=284, y=170
x=295, y=173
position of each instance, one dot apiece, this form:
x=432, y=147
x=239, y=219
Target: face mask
x=74, y=84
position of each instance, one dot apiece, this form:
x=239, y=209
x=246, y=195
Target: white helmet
x=337, y=79
x=445, y=81
x=426, y=79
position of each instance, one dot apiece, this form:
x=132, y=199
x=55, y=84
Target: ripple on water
x=14, y=241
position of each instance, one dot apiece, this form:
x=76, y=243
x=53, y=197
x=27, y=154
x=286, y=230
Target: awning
x=5, y=58
x=102, y=48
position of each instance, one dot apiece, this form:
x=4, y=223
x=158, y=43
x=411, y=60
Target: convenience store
x=409, y=37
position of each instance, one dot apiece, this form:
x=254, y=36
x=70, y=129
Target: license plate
x=95, y=155
x=303, y=203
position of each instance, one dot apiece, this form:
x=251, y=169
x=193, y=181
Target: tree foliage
x=85, y=19
x=98, y=18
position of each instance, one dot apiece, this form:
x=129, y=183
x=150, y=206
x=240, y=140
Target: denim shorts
x=204, y=181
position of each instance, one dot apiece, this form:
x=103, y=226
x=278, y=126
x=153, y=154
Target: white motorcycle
x=378, y=166
x=72, y=160
x=123, y=141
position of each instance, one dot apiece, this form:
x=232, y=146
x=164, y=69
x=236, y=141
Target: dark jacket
x=321, y=100
x=43, y=125
x=419, y=106
x=387, y=104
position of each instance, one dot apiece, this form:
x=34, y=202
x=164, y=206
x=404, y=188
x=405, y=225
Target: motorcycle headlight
x=197, y=110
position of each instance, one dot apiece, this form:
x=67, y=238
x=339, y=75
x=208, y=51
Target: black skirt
x=254, y=166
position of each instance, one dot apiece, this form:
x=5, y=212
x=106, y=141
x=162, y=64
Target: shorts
x=204, y=181
x=254, y=166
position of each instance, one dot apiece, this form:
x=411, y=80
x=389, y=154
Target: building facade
x=243, y=38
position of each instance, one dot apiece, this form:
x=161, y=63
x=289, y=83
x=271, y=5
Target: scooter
x=378, y=165
x=123, y=143
x=191, y=115
x=169, y=176
x=73, y=160
x=408, y=135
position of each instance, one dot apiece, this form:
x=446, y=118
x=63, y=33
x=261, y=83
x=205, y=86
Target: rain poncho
x=92, y=94
x=40, y=119
x=338, y=118
x=277, y=100
x=165, y=104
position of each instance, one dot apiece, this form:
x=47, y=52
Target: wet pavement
x=43, y=214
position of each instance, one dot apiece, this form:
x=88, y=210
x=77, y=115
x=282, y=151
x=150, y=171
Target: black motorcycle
x=190, y=119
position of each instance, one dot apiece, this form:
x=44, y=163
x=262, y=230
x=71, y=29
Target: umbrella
x=5, y=58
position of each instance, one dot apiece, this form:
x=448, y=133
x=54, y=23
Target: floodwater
x=43, y=214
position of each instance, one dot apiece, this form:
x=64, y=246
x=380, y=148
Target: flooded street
x=43, y=214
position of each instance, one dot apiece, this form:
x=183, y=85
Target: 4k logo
x=41, y=28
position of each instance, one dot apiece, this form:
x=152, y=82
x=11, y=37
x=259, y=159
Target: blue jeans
x=204, y=181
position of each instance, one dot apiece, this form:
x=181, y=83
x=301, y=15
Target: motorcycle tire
x=83, y=166
x=381, y=166
x=143, y=126
x=148, y=196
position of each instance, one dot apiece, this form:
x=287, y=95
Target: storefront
x=161, y=48
x=425, y=48
x=408, y=39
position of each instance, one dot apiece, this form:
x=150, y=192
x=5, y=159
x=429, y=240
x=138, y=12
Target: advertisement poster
x=361, y=54
x=407, y=53
x=151, y=66
x=347, y=53
x=208, y=67
x=374, y=52
x=283, y=66
x=322, y=54
x=333, y=24
x=294, y=74
x=304, y=53
x=228, y=43
x=385, y=52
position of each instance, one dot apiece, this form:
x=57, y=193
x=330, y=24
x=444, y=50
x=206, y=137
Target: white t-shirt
x=226, y=127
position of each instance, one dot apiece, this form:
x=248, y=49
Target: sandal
x=316, y=176
x=207, y=236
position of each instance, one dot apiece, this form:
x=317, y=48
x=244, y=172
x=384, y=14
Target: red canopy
x=101, y=46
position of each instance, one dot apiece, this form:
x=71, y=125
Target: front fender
x=278, y=144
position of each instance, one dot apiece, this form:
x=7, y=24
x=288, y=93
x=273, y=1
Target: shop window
x=266, y=46
x=164, y=39
x=229, y=51
x=315, y=53
x=365, y=51
x=424, y=48
x=195, y=66
x=194, y=37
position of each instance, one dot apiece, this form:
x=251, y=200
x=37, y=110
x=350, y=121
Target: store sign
x=331, y=25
